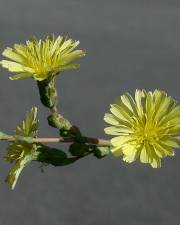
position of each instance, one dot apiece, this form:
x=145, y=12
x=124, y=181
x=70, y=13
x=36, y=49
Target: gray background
x=130, y=44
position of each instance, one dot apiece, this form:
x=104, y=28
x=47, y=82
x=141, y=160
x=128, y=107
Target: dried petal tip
x=42, y=59
x=146, y=126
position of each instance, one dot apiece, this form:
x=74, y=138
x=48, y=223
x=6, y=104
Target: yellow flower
x=42, y=59
x=21, y=153
x=146, y=127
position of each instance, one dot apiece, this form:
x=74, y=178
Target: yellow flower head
x=21, y=153
x=146, y=126
x=42, y=59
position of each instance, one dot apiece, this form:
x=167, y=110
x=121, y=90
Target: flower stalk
x=89, y=140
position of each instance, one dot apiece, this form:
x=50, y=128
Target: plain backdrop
x=130, y=44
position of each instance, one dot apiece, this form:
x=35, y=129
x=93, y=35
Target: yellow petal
x=117, y=152
x=12, y=66
x=20, y=76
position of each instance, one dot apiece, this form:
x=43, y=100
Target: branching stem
x=89, y=140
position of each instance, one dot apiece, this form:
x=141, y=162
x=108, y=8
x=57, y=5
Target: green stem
x=49, y=98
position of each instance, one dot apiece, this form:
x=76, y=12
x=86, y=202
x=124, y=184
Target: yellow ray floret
x=42, y=59
x=146, y=126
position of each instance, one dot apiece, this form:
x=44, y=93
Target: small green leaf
x=101, y=152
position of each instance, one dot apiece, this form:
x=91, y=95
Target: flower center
x=147, y=133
